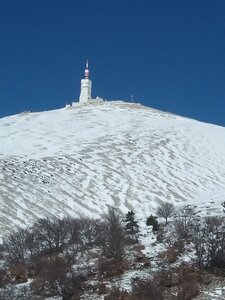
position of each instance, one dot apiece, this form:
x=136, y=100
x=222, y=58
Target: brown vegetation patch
x=108, y=268
x=117, y=294
x=19, y=273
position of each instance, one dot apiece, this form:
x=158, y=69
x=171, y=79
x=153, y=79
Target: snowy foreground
x=78, y=161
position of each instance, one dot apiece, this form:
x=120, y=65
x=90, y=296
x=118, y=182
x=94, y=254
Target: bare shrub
x=146, y=290
x=130, y=240
x=185, y=221
x=52, y=234
x=52, y=272
x=138, y=247
x=190, y=284
x=55, y=278
x=112, y=237
x=167, y=278
x=12, y=292
x=19, y=273
x=160, y=235
x=117, y=294
x=178, y=276
x=102, y=288
x=218, y=260
x=209, y=241
x=110, y=268
x=179, y=246
x=17, y=246
x=46, y=236
x=165, y=211
x=170, y=255
x=4, y=277
x=89, y=232
x=188, y=290
x=1, y=251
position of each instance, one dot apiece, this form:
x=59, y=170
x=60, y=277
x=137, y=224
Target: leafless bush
x=138, y=247
x=110, y=268
x=130, y=240
x=146, y=290
x=19, y=273
x=73, y=227
x=117, y=294
x=186, y=219
x=112, y=238
x=4, y=277
x=167, y=277
x=52, y=234
x=189, y=286
x=160, y=235
x=89, y=232
x=188, y=290
x=209, y=241
x=55, y=278
x=12, y=292
x=17, y=246
x=170, y=255
x=165, y=211
x=185, y=280
x=102, y=288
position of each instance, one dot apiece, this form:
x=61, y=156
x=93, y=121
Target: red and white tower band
x=85, y=92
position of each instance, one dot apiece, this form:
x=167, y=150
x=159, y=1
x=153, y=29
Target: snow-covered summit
x=77, y=161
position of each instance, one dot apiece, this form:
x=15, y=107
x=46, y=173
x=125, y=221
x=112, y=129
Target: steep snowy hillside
x=77, y=161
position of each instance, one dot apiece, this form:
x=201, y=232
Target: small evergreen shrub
x=152, y=221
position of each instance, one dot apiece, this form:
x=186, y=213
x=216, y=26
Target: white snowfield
x=78, y=161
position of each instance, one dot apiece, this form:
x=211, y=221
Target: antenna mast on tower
x=86, y=72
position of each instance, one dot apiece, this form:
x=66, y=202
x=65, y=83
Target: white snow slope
x=80, y=160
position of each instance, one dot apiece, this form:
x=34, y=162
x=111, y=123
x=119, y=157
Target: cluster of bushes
x=179, y=230
x=185, y=226
x=53, y=253
x=179, y=283
x=48, y=251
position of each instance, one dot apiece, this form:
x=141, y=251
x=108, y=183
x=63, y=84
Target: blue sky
x=168, y=54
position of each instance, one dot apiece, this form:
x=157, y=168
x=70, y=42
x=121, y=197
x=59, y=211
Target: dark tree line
x=52, y=250
x=52, y=235
x=48, y=250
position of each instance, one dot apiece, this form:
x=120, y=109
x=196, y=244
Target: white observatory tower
x=85, y=92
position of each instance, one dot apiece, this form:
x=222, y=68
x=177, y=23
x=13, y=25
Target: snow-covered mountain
x=78, y=161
